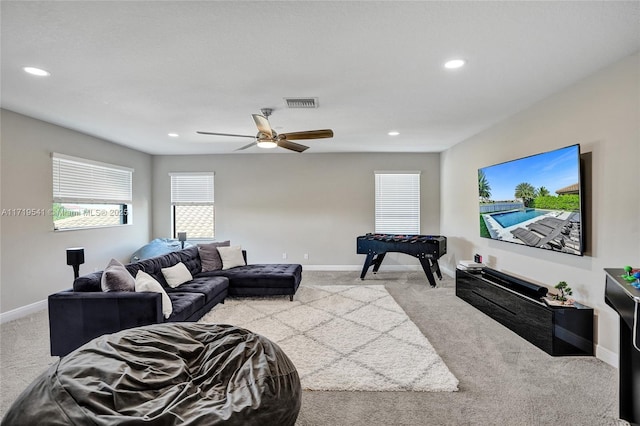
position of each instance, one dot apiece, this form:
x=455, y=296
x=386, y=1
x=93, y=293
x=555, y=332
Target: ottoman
x=168, y=374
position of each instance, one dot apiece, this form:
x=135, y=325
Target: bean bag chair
x=166, y=374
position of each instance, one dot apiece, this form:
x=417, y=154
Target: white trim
x=398, y=172
x=607, y=356
x=401, y=268
x=447, y=271
x=23, y=311
x=92, y=162
x=192, y=173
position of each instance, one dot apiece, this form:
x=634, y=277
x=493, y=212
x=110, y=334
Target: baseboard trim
x=607, y=356
x=23, y=311
x=359, y=268
x=447, y=271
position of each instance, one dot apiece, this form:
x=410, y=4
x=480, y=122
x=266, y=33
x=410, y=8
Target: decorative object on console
x=471, y=265
x=560, y=299
x=75, y=258
x=632, y=276
x=550, y=301
x=116, y=278
x=565, y=291
x=231, y=257
x=182, y=237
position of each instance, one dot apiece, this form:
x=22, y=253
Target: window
x=89, y=194
x=397, y=203
x=192, y=204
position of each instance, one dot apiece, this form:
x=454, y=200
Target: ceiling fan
x=268, y=138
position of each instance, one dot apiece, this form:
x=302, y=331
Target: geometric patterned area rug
x=343, y=338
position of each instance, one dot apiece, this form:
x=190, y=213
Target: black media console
x=517, y=304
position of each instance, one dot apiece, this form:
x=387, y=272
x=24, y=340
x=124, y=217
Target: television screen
x=534, y=201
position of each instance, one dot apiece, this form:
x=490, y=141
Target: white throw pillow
x=231, y=257
x=176, y=275
x=145, y=282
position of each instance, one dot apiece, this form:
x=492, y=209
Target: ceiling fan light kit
x=267, y=144
x=269, y=138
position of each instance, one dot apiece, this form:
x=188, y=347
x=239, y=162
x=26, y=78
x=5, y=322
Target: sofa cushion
x=261, y=275
x=89, y=282
x=145, y=282
x=176, y=275
x=209, y=256
x=231, y=257
x=185, y=305
x=211, y=287
x=115, y=277
x=153, y=266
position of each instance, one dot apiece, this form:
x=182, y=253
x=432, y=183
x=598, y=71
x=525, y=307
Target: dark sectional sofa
x=84, y=312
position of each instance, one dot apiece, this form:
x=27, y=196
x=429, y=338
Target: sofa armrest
x=75, y=318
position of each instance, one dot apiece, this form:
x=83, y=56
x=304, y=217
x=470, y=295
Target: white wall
x=602, y=114
x=298, y=203
x=33, y=263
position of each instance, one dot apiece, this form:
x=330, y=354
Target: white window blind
x=189, y=189
x=397, y=202
x=77, y=180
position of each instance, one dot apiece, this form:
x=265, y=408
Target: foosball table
x=427, y=248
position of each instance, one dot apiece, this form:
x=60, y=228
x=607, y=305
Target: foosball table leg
x=426, y=266
x=436, y=269
x=378, y=261
x=367, y=264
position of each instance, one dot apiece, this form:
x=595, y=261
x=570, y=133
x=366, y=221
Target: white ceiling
x=133, y=71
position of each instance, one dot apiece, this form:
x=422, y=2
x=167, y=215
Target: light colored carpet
x=344, y=337
x=504, y=380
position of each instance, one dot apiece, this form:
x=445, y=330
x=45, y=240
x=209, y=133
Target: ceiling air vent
x=301, y=102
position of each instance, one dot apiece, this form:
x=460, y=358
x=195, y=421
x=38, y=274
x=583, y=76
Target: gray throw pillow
x=210, y=257
x=115, y=277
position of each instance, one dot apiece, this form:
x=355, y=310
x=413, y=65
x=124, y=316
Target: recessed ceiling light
x=393, y=133
x=454, y=63
x=36, y=71
x=173, y=135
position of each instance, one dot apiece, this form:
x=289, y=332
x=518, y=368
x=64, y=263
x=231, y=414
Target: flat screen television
x=534, y=201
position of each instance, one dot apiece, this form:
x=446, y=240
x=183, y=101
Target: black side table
x=625, y=300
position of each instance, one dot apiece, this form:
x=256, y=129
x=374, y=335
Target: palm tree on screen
x=542, y=192
x=526, y=192
x=484, y=189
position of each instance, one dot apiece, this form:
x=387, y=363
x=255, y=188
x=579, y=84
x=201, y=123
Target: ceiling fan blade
x=292, y=146
x=309, y=134
x=263, y=125
x=225, y=134
x=246, y=146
